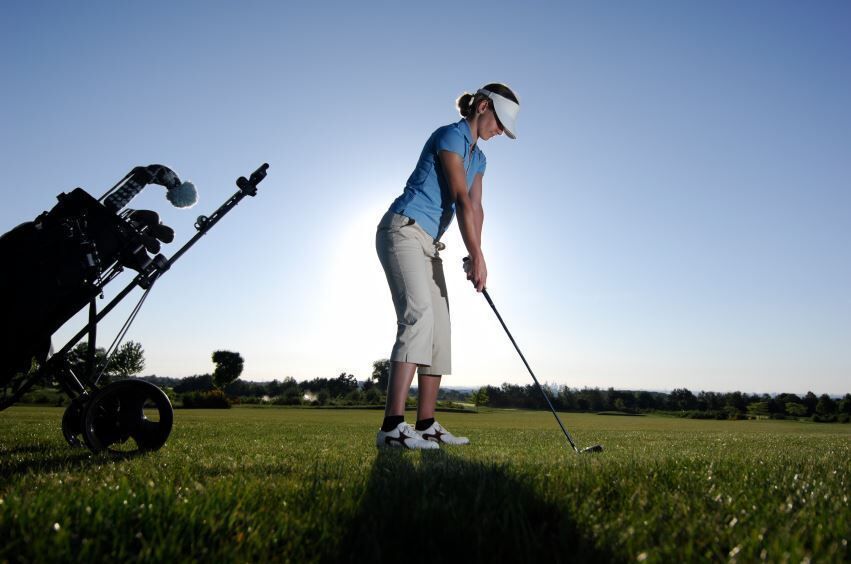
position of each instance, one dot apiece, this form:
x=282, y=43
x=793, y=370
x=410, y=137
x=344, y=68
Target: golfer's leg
x=401, y=376
x=401, y=254
x=428, y=386
x=441, y=342
x=429, y=376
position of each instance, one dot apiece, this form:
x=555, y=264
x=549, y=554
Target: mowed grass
x=256, y=484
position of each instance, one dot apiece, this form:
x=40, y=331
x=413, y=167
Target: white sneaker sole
x=406, y=443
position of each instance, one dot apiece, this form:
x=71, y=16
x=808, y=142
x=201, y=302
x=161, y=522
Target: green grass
x=253, y=484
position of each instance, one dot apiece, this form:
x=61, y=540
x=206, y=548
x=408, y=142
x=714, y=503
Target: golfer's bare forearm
x=471, y=229
x=479, y=214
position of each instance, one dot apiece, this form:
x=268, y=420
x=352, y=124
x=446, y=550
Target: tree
x=568, y=399
x=229, y=366
x=758, y=408
x=811, y=401
x=355, y=396
x=128, y=360
x=735, y=401
x=710, y=401
x=845, y=404
x=646, y=400
x=343, y=385
x=622, y=400
x=595, y=398
x=197, y=383
x=682, y=399
x=826, y=405
x=77, y=361
x=373, y=396
x=796, y=409
x=381, y=373
x=323, y=396
x=783, y=400
x=479, y=397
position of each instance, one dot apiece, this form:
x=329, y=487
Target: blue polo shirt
x=427, y=198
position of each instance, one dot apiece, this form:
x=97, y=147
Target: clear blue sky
x=676, y=210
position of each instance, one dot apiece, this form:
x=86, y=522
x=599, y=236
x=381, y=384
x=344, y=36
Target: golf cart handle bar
x=246, y=188
x=250, y=186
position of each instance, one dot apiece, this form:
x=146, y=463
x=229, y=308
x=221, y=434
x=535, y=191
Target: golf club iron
x=593, y=448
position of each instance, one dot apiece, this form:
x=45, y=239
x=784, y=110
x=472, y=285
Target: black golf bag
x=59, y=263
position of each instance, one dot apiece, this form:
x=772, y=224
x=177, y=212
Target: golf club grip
x=529, y=368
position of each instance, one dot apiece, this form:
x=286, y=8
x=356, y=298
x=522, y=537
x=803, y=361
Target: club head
x=593, y=448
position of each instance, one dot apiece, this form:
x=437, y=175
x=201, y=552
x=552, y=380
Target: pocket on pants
x=394, y=222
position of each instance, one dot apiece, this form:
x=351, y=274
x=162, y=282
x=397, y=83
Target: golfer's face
x=489, y=125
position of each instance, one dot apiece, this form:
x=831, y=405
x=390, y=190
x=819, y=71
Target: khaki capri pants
x=414, y=270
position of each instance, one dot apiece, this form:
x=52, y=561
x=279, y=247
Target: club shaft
x=529, y=368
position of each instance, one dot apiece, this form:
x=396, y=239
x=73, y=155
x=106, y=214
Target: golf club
x=593, y=448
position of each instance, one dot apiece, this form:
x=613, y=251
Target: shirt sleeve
x=450, y=139
x=483, y=164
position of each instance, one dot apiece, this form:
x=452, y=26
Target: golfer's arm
x=476, y=202
x=453, y=169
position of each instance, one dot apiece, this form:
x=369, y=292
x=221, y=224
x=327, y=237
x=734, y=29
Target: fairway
x=289, y=484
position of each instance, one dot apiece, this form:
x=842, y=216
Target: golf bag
x=59, y=263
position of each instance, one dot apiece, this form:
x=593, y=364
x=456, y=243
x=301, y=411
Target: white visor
x=506, y=111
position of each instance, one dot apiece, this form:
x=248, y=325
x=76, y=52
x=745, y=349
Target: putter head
x=593, y=448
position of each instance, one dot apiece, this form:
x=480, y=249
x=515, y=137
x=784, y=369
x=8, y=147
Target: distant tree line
x=681, y=401
x=342, y=390
x=222, y=387
x=346, y=390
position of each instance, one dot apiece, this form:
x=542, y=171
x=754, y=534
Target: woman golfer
x=448, y=177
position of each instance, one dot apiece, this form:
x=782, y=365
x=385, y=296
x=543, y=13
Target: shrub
x=169, y=392
x=323, y=396
x=373, y=396
x=355, y=397
x=288, y=399
x=214, y=399
x=40, y=397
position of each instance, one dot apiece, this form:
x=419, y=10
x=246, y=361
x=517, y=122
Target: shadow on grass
x=430, y=506
x=27, y=449
x=51, y=459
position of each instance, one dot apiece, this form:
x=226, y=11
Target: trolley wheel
x=72, y=421
x=128, y=416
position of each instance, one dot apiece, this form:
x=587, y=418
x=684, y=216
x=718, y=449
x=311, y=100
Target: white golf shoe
x=437, y=434
x=403, y=436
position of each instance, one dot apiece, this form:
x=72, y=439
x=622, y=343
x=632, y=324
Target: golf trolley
x=59, y=263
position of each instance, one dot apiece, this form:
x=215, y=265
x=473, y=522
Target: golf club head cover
x=162, y=232
x=148, y=221
x=180, y=194
x=151, y=244
x=183, y=196
x=143, y=218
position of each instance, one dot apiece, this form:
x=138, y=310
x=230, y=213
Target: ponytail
x=465, y=104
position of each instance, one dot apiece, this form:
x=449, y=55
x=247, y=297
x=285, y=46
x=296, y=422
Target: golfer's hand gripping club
x=476, y=273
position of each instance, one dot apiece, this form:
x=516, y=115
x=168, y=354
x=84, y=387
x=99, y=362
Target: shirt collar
x=465, y=129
